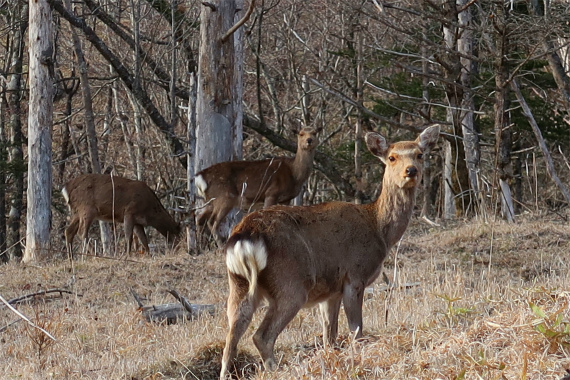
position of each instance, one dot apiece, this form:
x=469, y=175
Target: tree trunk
x=16, y=153
x=191, y=173
x=469, y=132
x=137, y=116
x=39, y=132
x=457, y=181
x=3, y=164
x=219, y=94
x=502, y=117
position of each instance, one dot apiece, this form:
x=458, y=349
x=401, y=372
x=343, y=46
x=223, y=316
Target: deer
x=325, y=254
x=243, y=184
x=115, y=199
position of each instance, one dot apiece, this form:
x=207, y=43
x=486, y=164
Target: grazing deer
x=324, y=254
x=242, y=184
x=102, y=197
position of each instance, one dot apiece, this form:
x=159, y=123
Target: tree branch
x=549, y=165
x=240, y=22
x=163, y=76
x=135, y=88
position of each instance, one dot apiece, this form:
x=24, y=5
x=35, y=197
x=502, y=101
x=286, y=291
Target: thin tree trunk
x=502, y=117
x=16, y=153
x=358, y=134
x=191, y=228
x=470, y=134
x=541, y=143
x=137, y=117
x=3, y=164
x=39, y=132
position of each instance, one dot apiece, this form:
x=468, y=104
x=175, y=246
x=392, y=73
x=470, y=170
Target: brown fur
x=323, y=254
x=102, y=197
x=242, y=184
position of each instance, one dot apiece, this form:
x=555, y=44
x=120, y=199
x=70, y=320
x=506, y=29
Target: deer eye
x=420, y=156
x=392, y=158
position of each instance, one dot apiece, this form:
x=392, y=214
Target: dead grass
x=493, y=303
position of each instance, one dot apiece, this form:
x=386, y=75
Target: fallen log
x=171, y=313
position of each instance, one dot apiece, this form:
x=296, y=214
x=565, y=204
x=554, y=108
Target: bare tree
x=39, y=132
x=19, y=18
x=220, y=92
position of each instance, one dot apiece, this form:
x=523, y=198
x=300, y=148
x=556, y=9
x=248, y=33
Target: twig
x=182, y=300
x=26, y=319
x=137, y=298
x=40, y=293
x=9, y=324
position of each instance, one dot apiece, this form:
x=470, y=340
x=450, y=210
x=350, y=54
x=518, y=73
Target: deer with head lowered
x=109, y=198
x=294, y=257
x=242, y=184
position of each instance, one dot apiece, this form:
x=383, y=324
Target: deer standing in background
x=324, y=254
x=241, y=184
x=115, y=199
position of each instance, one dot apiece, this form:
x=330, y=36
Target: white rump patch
x=246, y=257
x=65, y=195
x=201, y=186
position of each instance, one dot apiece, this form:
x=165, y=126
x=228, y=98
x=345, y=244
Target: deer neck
x=302, y=165
x=393, y=210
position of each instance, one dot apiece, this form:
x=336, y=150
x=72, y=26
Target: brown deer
x=324, y=254
x=242, y=184
x=109, y=198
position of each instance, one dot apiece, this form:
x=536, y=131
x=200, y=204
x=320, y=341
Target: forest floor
x=482, y=301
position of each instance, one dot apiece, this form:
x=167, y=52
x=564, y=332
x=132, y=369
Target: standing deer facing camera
x=242, y=184
x=324, y=254
x=102, y=197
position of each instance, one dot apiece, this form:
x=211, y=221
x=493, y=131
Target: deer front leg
x=270, y=200
x=353, y=295
x=329, y=318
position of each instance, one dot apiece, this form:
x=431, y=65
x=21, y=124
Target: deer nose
x=309, y=141
x=411, y=171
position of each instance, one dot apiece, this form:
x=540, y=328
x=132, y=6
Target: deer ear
x=377, y=145
x=428, y=138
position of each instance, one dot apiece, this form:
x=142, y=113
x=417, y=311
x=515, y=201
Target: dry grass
x=493, y=304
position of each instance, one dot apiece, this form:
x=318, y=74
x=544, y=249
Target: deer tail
x=201, y=185
x=65, y=194
x=246, y=259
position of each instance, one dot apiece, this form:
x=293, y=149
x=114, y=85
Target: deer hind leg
x=129, y=225
x=353, y=295
x=84, y=224
x=70, y=233
x=240, y=312
x=203, y=223
x=139, y=231
x=280, y=312
x=218, y=215
x=329, y=318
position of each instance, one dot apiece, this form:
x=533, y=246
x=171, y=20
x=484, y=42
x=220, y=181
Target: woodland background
x=482, y=293
x=494, y=74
